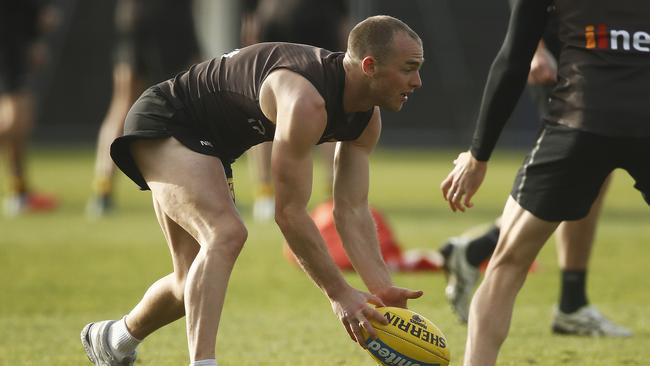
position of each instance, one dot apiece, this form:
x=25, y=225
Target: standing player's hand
x=543, y=68
x=463, y=181
x=397, y=296
x=352, y=309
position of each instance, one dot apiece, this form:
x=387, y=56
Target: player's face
x=399, y=75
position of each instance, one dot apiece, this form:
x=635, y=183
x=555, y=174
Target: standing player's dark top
x=18, y=30
x=313, y=22
x=156, y=37
x=220, y=97
x=603, y=75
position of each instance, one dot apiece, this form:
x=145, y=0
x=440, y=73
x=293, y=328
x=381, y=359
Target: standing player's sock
x=17, y=185
x=573, y=294
x=120, y=339
x=102, y=186
x=481, y=248
x=210, y=362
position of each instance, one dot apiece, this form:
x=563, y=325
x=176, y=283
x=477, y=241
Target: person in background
x=154, y=39
x=314, y=22
x=21, y=52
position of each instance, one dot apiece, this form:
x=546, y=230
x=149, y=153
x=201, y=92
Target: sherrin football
x=409, y=339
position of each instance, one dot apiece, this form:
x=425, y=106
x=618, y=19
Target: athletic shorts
x=153, y=117
x=562, y=175
x=156, y=38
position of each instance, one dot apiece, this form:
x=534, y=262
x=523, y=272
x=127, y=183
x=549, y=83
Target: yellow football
x=409, y=339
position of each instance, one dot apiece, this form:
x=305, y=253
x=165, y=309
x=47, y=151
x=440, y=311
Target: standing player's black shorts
x=562, y=175
x=154, y=117
x=156, y=37
x=17, y=34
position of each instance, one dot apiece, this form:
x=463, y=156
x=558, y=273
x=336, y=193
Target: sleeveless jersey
x=220, y=97
x=604, y=68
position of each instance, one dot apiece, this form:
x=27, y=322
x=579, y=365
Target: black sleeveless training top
x=220, y=97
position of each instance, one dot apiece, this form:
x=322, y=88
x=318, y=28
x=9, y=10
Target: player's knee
x=229, y=241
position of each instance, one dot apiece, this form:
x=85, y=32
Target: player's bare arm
x=353, y=218
x=299, y=113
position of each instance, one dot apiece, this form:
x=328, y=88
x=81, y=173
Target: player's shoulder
x=287, y=83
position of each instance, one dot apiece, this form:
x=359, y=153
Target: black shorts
x=156, y=38
x=153, y=117
x=562, y=175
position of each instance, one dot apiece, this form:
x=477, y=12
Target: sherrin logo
x=389, y=356
x=601, y=37
x=416, y=327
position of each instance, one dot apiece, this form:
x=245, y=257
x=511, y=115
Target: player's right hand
x=352, y=308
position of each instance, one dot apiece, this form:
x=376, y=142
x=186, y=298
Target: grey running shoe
x=94, y=338
x=461, y=278
x=587, y=321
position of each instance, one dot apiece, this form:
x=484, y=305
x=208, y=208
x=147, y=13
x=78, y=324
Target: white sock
x=121, y=341
x=209, y=362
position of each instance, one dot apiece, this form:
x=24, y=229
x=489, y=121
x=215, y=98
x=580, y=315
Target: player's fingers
x=376, y=316
x=348, y=329
x=451, y=195
x=364, y=324
x=446, y=185
x=355, y=326
x=375, y=300
x=468, y=200
x=411, y=294
x=456, y=200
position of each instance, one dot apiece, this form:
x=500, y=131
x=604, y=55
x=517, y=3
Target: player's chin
x=394, y=107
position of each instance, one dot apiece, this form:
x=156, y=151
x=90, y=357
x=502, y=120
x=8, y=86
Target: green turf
x=60, y=271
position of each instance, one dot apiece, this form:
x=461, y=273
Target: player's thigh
x=191, y=188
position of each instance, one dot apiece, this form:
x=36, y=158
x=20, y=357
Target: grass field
x=61, y=271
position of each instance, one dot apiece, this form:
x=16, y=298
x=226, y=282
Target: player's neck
x=356, y=96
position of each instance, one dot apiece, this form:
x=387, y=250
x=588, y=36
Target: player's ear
x=368, y=65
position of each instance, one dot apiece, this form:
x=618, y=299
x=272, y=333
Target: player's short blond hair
x=374, y=36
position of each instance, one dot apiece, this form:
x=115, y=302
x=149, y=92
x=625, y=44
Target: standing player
x=155, y=39
x=182, y=135
x=464, y=255
x=313, y=22
x=597, y=122
x=19, y=31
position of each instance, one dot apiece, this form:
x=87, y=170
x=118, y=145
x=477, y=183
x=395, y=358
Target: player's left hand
x=463, y=181
x=397, y=296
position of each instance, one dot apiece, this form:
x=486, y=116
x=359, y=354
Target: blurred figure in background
x=154, y=39
x=21, y=52
x=314, y=22
x=465, y=254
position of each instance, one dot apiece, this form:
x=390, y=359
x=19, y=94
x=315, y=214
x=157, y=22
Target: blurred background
x=460, y=39
x=63, y=269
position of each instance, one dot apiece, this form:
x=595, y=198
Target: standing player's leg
x=126, y=88
x=16, y=123
x=327, y=151
x=574, y=314
x=522, y=236
x=259, y=160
